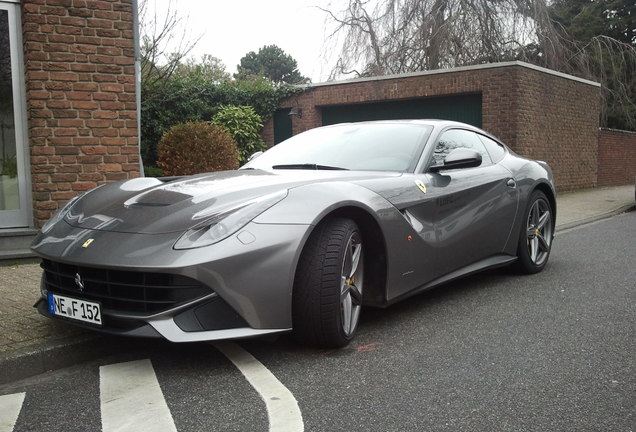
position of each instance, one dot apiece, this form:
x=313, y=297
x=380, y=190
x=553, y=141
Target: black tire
x=536, y=234
x=329, y=277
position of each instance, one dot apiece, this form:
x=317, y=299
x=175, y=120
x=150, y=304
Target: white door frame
x=22, y=217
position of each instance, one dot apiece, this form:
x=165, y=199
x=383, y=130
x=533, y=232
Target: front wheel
x=537, y=232
x=327, y=297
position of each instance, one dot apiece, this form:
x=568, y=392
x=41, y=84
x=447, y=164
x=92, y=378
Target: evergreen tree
x=270, y=62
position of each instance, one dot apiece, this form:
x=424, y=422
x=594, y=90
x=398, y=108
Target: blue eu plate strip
x=51, y=305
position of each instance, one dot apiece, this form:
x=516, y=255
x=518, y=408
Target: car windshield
x=353, y=146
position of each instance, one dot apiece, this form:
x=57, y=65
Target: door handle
x=511, y=183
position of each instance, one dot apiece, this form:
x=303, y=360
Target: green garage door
x=464, y=108
x=282, y=125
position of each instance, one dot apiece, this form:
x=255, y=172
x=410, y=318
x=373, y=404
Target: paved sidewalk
x=31, y=344
x=20, y=325
x=580, y=207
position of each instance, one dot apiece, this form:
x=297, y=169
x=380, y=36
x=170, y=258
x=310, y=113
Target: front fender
x=405, y=250
x=309, y=204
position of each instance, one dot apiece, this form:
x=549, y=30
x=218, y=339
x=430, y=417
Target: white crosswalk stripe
x=282, y=408
x=10, y=406
x=131, y=399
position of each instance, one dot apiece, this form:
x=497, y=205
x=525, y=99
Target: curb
x=623, y=209
x=60, y=354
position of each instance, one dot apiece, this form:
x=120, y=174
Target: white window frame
x=21, y=218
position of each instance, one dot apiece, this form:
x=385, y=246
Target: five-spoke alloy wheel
x=351, y=284
x=535, y=241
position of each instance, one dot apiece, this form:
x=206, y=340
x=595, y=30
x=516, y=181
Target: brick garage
x=80, y=94
x=540, y=113
x=616, y=157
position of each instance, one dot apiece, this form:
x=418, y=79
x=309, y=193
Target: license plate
x=80, y=310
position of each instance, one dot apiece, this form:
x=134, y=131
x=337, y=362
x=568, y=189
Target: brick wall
x=616, y=157
x=267, y=132
x=80, y=91
x=541, y=115
x=557, y=121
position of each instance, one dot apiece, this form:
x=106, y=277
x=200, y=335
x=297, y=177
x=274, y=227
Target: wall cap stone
x=621, y=131
x=452, y=70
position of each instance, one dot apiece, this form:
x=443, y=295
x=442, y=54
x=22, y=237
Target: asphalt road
x=554, y=351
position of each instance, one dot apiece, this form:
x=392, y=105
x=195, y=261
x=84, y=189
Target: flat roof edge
x=621, y=131
x=452, y=70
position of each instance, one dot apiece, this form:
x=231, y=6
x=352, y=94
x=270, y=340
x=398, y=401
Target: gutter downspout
x=135, y=12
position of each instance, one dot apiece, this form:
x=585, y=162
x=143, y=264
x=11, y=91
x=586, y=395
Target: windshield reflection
x=352, y=146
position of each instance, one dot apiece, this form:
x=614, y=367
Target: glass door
x=14, y=196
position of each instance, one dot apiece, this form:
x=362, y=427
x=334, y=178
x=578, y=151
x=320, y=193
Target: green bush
x=150, y=171
x=196, y=147
x=9, y=166
x=244, y=125
x=168, y=102
x=196, y=97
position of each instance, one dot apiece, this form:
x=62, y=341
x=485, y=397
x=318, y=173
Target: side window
x=458, y=138
x=496, y=150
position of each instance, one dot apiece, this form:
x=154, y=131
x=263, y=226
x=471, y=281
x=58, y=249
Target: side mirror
x=254, y=156
x=459, y=158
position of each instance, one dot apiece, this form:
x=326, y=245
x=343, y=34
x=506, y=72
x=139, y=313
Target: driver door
x=473, y=208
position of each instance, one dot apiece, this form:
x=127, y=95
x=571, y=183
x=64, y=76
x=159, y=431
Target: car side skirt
x=488, y=263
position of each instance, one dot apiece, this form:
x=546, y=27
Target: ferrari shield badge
x=420, y=184
x=87, y=243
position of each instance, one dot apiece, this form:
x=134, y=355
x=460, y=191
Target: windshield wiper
x=309, y=166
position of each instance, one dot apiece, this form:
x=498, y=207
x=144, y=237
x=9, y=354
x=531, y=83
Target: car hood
x=151, y=206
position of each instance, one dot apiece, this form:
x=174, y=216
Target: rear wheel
x=327, y=296
x=537, y=232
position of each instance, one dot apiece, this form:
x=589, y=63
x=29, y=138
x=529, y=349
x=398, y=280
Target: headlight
x=223, y=225
x=60, y=214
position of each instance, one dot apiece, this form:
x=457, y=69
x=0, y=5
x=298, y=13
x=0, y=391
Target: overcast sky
x=232, y=28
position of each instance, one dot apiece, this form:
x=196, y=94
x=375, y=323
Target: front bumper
x=164, y=327
x=250, y=276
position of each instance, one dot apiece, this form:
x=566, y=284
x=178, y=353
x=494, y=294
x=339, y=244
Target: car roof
x=424, y=122
x=437, y=124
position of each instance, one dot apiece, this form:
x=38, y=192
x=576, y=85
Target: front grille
x=123, y=291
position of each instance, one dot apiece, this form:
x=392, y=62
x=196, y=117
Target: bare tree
x=379, y=37
x=207, y=65
x=395, y=36
x=613, y=64
x=165, y=41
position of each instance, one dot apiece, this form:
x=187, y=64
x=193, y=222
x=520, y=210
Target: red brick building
x=68, y=119
x=540, y=113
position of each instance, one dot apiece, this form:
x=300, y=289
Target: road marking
x=10, y=406
x=282, y=408
x=131, y=399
